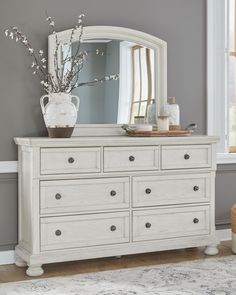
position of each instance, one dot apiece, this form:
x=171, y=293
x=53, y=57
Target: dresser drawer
x=131, y=158
x=170, y=223
x=186, y=156
x=70, y=160
x=172, y=189
x=85, y=230
x=62, y=196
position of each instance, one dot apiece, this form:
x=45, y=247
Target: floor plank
x=11, y=273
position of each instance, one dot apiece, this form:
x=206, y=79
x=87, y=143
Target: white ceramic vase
x=60, y=113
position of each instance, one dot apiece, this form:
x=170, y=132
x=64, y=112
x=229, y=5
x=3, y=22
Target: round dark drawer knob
x=148, y=191
x=186, y=156
x=148, y=225
x=195, y=220
x=131, y=158
x=58, y=196
x=113, y=228
x=196, y=188
x=58, y=232
x=113, y=193
x=71, y=160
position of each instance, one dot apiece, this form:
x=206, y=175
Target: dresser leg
x=19, y=261
x=34, y=270
x=211, y=250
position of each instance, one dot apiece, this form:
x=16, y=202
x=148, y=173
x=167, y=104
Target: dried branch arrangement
x=67, y=71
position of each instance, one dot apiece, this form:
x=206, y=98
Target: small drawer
x=85, y=230
x=170, y=223
x=172, y=189
x=131, y=158
x=70, y=160
x=64, y=196
x=186, y=156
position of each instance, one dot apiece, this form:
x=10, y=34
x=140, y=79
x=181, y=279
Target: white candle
x=163, y=123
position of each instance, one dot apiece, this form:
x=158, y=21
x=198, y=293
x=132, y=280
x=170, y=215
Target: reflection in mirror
x=115, y=101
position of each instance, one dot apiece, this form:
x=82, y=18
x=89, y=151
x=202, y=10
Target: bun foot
x=211, y=250
x=34, y=270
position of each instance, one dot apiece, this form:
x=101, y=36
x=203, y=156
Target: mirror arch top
x=116, y=33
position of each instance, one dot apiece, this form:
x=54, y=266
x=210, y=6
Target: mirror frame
x=116, y=33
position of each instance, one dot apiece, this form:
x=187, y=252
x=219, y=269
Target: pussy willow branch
x=78, y=47
x=75, y=83
x=59, y=81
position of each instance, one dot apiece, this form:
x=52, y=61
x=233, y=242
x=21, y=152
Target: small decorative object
x=174, y=113
x=59, y=111
x=134, y=132
x=139, y=120
x=151, y=113
x=143, y=127
x=163, y=123
x=233, y=225
x=141, y=124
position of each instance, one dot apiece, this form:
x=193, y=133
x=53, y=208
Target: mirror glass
x=119, y=100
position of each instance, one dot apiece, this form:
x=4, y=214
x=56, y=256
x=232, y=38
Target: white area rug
x=212, y=276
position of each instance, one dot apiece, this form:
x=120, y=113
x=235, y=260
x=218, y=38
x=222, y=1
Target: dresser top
x=112, y=141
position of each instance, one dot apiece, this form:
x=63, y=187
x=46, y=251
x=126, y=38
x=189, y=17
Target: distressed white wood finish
x=131, y=158
x=116, y=33
x=84, y=230
x=180, y=157
x=86, y=210
x=81, y=195
x=55, y=161
x=170, y=223
x=175, y=189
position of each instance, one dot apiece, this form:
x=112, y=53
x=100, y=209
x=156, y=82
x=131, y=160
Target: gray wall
x=182, y=23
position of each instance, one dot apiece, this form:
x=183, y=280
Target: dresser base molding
x=19, y=261
x=115, y=250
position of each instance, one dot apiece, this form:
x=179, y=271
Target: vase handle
x=77, y=101
x=42, y=102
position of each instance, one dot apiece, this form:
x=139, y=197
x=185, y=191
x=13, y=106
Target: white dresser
x=89, y=197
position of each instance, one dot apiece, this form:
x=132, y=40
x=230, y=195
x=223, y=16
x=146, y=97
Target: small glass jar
x=151, y=113
x=173, y=112
x=163, y=123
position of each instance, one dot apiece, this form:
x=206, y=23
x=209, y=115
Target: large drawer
x=85, y=230
x=62, y=196
x=186, y=156
x=171, y=189
x=70, y=160
x=131, y=158
x=170, y=223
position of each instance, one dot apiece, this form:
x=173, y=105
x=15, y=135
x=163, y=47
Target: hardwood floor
x=10, y=273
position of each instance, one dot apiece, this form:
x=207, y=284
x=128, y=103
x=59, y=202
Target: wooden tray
x=171, y=133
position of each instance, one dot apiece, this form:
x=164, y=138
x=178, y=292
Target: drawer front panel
x=174, y=189
x=184, y=156
x=85, y=230
x=70, y=160
x=64, y=196
x=170, y=223
x=131, y=158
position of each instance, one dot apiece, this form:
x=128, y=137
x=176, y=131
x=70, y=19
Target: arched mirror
x=136, y=61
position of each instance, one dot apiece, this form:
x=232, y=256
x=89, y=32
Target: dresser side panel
x=28, y=216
